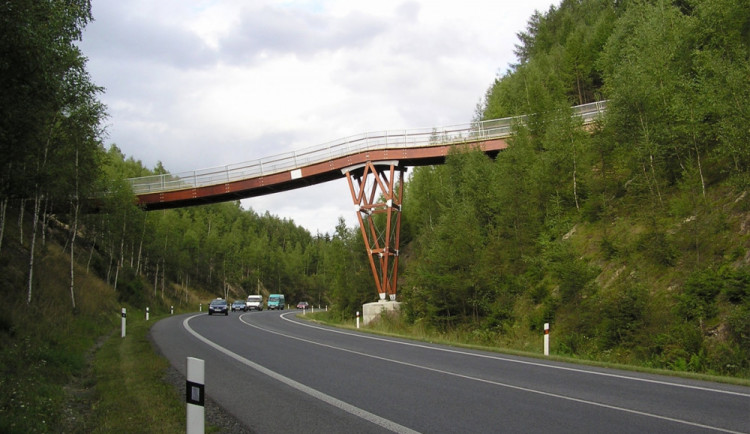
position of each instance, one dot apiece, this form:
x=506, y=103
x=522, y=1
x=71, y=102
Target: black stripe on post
x=194, y=393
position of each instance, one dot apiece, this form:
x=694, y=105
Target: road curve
x=277, y=373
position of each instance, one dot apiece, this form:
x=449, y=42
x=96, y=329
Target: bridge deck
x=326, y=162
x=302, y=177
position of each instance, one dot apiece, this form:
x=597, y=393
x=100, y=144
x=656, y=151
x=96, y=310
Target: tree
x=49, y=106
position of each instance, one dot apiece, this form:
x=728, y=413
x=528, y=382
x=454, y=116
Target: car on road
x=218, y=305
x=303, y=305
x=239, y=305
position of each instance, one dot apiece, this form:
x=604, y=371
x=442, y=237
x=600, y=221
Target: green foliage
x=700, y=294
x=657, y=247
x=572, y=274
x=623, y=314
x=600, y=229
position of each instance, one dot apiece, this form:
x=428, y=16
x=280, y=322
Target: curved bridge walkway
x=373, y=163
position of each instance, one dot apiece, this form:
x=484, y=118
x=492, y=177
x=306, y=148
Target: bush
x=736, y=285
x=698, y=298
x=623, y=315
x=657, y=247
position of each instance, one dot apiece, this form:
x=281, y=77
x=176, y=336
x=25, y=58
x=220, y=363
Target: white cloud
x=215, y=82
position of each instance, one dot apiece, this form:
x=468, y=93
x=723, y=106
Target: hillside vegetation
x=631, y=237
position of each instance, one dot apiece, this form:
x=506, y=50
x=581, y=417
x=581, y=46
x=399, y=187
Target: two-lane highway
x=275, y=372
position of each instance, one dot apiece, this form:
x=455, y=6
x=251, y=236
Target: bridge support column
x=377, y=199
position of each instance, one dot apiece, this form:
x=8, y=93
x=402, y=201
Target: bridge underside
x=302, y=177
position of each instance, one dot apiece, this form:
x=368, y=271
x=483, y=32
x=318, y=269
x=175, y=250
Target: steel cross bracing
x=377, y=196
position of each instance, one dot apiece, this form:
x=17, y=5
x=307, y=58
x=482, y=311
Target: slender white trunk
x=140, y=248
x=575, y=170
x=91, y=254
x=156, y=278
x=121, y=261
x=20, y=219
x=73, y=240
x=72, y=257
x=163, y=275
x=37, y=202
x=44, y=222
x=117, y=274
x=111, y=259
x=3, y=208
x=698, y=156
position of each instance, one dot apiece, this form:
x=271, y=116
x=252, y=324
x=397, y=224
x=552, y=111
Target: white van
x=254, y=302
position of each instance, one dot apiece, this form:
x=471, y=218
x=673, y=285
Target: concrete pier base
x=372, y=311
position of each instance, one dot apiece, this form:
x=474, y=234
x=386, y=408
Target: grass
x=68, y=370
x=131, y=387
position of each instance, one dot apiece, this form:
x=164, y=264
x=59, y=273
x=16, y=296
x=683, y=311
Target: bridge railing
x=377, y=140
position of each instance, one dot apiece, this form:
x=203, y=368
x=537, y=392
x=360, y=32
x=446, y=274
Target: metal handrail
x=379, y=140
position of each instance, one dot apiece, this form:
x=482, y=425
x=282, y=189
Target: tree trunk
x=91, y=253
x=72, y=250
x=3, y=208
x=117, y=274
x=163, y=275
x=20, y=219
x=37, y=202
x=156, y=278
x=575, y=170
x=121, y=261
x=44, y=222
x=140, y=248
x=109, y=268
x=698, y=154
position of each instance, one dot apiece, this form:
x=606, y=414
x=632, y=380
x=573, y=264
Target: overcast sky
x=205, y=83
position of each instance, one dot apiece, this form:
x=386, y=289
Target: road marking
x=495, y=383
x=523, y=362
x=356, y=411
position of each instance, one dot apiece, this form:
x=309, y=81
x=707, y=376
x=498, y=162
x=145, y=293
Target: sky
x=196, y=84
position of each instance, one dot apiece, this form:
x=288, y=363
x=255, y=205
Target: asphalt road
x=277, y=373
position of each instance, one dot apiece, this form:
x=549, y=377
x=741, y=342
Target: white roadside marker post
x=195, y=396
x=546, y=339
x=123, y=323
x=171, y=310
x=357, y=319
x=146, y=314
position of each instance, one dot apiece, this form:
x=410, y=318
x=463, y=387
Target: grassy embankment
x=69, y=370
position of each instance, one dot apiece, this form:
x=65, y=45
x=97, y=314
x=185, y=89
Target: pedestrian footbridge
x=373, y=163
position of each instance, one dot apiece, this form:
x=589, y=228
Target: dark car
x=239, y=305
x=302, y=305
x=218, y=306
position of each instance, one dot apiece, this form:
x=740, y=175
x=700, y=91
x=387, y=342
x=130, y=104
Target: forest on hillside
x=631, y=237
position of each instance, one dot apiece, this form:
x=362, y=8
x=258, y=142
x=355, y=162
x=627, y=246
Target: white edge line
x=523, y=362
x=495, y=383
x=356, y=411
